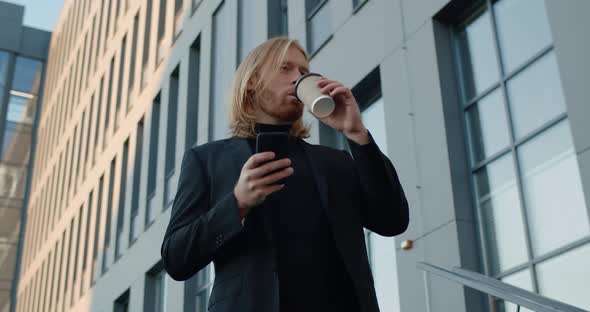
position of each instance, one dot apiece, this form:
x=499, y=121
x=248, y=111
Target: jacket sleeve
x=197, y=229
x=385, y=207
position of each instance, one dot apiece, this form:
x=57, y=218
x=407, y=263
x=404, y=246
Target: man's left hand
x=346, y=116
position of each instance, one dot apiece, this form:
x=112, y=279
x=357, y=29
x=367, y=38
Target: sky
x=40, y=14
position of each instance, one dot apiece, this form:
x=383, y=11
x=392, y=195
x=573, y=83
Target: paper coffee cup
x=308, y=92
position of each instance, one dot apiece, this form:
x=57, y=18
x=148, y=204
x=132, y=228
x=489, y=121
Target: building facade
x=23, y=52
x=480, y=105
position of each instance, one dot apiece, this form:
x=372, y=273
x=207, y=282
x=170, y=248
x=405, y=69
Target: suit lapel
x=239, y=152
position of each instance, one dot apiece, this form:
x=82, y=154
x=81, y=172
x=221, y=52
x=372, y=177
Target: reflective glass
x=478, y=62
x=520, y=279
x=502, y=215
x=535, y=95
x=170, y=189
x=319, y=28
x=247, y=30
x=488, y=126
x=7, y=261
x=221, y=72
x=21, y=109
x=374, y=119
x=12, y=183
x=9, y=223
x=552, y=190
x=565, y=277
x=384, y=268
x=16, y=145
x=4, y=59
x=27, y=75
x=381, y=249
x=523, y=30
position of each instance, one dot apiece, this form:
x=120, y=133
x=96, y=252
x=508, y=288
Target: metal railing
x=501, y=290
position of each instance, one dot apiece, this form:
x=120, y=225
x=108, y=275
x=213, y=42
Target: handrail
x=500, y=289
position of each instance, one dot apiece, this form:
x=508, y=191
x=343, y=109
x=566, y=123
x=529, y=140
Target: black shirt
x=312, y=276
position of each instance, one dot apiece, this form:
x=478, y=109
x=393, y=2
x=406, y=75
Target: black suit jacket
x=205, y=226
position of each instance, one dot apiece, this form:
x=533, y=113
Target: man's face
x=279, y=104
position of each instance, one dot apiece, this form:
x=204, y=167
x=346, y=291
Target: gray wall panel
x=433, y=160
x=35, y=42
x=418, y=13
x=401, y=136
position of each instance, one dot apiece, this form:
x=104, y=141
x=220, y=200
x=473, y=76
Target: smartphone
x=276, y=142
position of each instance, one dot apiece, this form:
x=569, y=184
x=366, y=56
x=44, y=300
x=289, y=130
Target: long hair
x=262, y=62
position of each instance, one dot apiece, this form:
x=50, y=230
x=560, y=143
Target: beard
x=286, y=109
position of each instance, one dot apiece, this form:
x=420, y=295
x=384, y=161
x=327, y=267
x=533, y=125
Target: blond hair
x=263, y=61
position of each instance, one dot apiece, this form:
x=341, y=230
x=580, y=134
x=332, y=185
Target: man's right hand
x=255, y=182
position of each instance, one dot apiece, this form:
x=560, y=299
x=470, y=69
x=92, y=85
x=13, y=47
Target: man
x=297, y=246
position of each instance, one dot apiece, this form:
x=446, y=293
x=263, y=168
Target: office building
x=480, y=105
x=23, y=52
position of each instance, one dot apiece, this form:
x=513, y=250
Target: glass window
x=548, y=163
x=107, y=231
x=221, y=72
x=319, y=27
x=523, y=30
x=192, y=103
x=97, y=228
x=27, y=75
x=570, y=270
x=153, y=160
x=1, y=97
x=381, y=249
x=4, y=60
x=21, y=109
x=134, y=221
x=530, y=197
x=502, y=214
x=487, y=127
x=278, y=18
x=10, y=222
x=108, y=103
x=86, y=254
x=134, y=40
x=247, y=15
x=535, y=95
x=121, y=209
x=169, y=189
x=146, y=43
x=122, y=303
x=374, y=119
x=161, y=31
x=156, y=291
x=202, y=281
x=16, y=145
x=178, y=16
x=122, y=61
x=520, y=279
x=477, y=60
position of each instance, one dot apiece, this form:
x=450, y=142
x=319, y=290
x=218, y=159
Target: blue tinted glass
x=16, y=144
x=27, y=75
x=21, y=109
x=319, y=29
x=4, y=58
